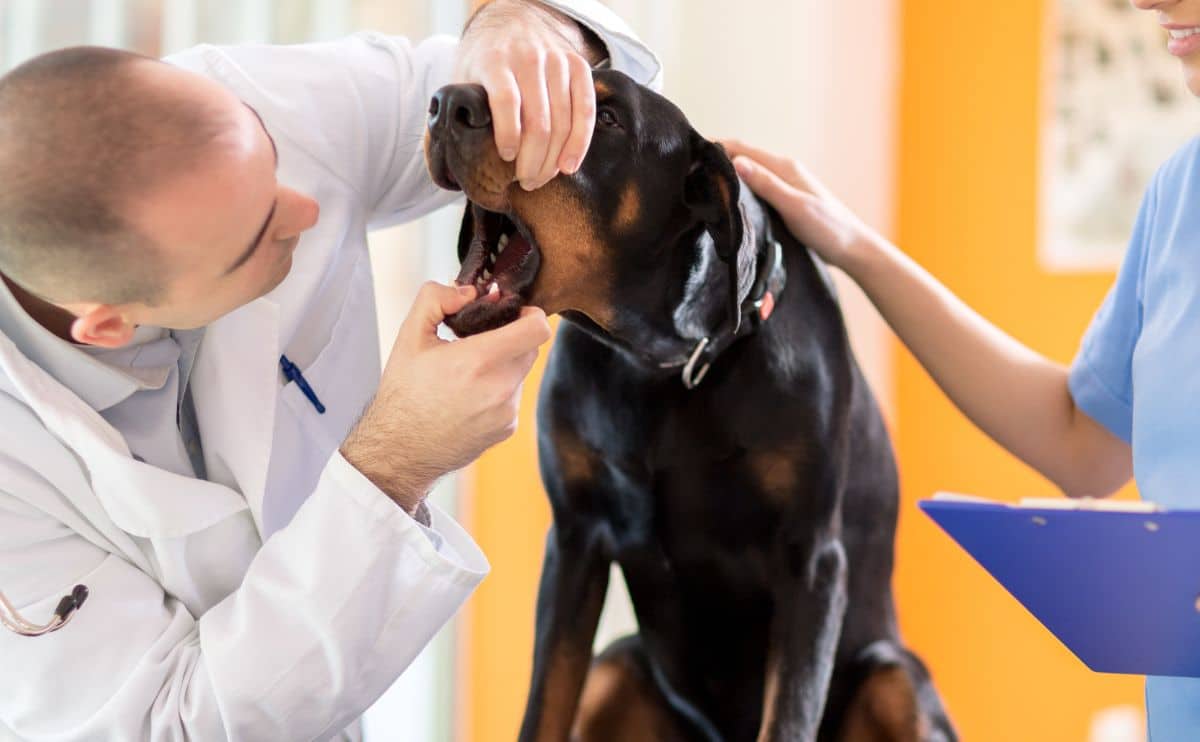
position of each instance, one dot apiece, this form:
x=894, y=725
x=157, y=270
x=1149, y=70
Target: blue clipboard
x=1120, y=589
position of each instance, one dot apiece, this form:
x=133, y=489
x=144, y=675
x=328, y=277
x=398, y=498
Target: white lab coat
x=278, y=599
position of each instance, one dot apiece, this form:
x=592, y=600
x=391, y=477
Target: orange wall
x=508, y=515
x=967, y=198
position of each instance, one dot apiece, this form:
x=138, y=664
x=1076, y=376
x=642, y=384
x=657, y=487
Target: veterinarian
x=188, y=343
x=1129, y=399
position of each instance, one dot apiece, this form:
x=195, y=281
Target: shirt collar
x=99, y=385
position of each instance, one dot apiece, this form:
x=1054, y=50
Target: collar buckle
x=757, y=308
x=692, y=377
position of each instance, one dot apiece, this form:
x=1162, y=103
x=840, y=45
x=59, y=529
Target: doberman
x=703, y=423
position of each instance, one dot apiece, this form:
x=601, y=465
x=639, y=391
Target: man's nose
x=460, y=106
x=297, y=213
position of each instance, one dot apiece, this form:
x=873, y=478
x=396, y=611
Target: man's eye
x=607, y=117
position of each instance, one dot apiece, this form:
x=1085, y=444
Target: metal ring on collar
x=692, y=377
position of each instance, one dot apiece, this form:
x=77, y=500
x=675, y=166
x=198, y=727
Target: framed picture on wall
x=1115, y=108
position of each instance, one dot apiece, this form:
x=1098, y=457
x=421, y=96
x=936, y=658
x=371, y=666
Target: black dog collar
x=770, y=279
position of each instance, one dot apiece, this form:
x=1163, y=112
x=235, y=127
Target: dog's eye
x=607, y=117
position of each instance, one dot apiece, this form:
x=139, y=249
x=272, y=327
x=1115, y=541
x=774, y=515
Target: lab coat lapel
x=138, y=498
x=235, y=382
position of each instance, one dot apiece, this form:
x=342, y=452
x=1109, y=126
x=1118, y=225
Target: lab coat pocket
x=343, y=377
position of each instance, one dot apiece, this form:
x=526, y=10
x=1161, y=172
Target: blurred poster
x=1115, y=108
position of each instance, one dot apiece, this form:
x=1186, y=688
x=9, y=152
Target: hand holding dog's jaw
x=535, y=64
x=441, y=404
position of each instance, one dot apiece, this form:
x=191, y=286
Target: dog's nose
x=460, y=105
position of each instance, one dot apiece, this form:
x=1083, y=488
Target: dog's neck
x=698, y=325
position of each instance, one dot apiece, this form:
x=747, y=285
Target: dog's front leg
x=806, y=626
x=570, y=597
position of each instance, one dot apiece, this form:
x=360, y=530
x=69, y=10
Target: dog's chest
x=692, y=495
x=704, y=478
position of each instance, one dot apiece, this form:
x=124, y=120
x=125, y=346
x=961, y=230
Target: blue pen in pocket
x=292, y=373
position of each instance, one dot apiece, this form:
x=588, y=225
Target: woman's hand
x=813, y=214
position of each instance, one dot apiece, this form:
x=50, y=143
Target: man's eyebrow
x=257, y=241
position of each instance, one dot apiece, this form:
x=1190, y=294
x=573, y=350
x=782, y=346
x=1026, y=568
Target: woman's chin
x=1191, y=75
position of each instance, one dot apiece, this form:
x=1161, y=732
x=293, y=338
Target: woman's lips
x=1184, y=41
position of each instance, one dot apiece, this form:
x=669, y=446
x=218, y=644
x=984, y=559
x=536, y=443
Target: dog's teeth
x=503, y=243
x=494, y=288
x=486, y=274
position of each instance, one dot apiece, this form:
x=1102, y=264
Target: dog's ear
x=711, y=192
x=466, y=232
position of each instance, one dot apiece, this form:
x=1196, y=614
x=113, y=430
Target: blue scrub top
x=1138, y=373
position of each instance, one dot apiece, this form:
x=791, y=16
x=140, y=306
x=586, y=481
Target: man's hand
x=536, y=65
x=441, y=404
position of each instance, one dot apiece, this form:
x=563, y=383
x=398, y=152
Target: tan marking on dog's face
x=629, y=208
x=602, y=89
x=885, y=709
x=484, y=177
x=576, y=270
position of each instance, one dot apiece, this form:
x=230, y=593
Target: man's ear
x=102, y=325
x=711, y=192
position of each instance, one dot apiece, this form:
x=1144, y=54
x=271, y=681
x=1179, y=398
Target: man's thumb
x=433, y=304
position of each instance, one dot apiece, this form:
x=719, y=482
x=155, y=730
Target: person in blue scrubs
x=1122, y=408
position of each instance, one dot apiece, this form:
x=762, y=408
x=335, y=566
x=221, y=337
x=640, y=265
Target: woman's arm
x=1014, y=394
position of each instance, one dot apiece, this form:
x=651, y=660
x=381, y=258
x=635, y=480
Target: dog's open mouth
x=502, y=262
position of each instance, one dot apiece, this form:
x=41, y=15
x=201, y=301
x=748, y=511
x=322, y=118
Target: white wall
x=786, y=77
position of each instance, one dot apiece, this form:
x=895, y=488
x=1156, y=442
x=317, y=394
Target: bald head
x=86, y=134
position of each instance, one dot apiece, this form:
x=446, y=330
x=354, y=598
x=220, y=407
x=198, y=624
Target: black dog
x=704, y=424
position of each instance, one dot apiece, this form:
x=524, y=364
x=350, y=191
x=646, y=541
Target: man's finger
x=433, y=304
x=522, y=335
x=535, y=118
x=504, y=98
x=558, y=89
x=583, y=114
